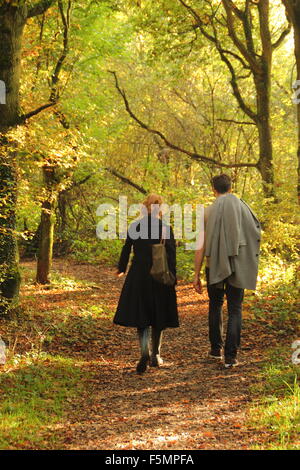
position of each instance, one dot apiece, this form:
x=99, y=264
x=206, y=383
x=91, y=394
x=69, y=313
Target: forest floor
x=190, y=402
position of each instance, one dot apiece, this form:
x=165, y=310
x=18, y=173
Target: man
x=231, y=246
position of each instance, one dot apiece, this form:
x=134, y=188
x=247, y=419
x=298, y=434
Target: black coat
x=144, y=301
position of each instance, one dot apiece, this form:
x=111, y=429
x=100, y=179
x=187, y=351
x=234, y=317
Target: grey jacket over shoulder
x=232, y=242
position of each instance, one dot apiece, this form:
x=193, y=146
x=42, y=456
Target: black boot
x=143, y=334
x=156, y=360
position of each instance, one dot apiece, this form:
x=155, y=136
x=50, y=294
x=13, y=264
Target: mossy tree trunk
x=293, y=14
x=45, y=248
x=9, y=272
x=13, y=17
x=12, y=22
x=45, y=244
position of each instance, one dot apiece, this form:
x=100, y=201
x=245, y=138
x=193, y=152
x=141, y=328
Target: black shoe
x=156, y=361
x=215, y=354
x=230, y=362
x=142, y=364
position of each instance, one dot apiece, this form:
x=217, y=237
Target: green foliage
x=80, y=332
x=276, y=299
x=280, y=222
x=175, y=82
x=185, y=263
x=34, y=397
x=97, y=251
x=279, y=396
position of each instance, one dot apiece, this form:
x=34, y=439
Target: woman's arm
x=171, y=252
x=125, y=253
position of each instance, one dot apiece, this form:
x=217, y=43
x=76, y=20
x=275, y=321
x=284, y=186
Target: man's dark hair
x=221, y=183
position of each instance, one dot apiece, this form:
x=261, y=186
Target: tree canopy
x=115, y=98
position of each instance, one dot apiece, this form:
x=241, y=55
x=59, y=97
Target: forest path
x=191, y=402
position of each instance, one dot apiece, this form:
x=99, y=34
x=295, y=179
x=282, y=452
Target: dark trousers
x=234, y=298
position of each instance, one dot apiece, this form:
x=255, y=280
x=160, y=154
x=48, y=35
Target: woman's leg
x=144, y=336
x=156, y=334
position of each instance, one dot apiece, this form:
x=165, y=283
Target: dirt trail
x=190, y=402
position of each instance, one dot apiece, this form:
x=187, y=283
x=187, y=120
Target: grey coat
x=232, y=242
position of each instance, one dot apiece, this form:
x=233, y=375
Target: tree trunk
x=262, y=80
x=12, y=21
x=265, y=161
x=9, y=271
x=298, y=149
x=45, y=244
x=62, y=213
x=45, y=249
x=13, y=17
x=293, y=13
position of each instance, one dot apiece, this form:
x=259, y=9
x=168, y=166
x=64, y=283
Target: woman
x=144, y=302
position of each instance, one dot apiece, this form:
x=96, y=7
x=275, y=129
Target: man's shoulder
x=207, y=209
x=248, y=210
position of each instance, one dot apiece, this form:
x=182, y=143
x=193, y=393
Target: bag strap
x=163, y=236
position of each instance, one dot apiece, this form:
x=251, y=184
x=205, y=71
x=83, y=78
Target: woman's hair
x=150, y=200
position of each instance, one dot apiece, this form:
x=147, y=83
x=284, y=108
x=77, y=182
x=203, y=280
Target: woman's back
x=144, y=302
x=142, y=234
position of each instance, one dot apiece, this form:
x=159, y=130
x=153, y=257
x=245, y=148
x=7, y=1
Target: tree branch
x=237, y=122
x=78, y=183
x=246, y=53
x=247, y=24
x=236, y=56
x=282, y=36
x=264, y=30
x=235, y=87
x=29, y=115
x=39, y=8
x=192, y=155
x=66, y=24
x=126, y=180
x=214, y=39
